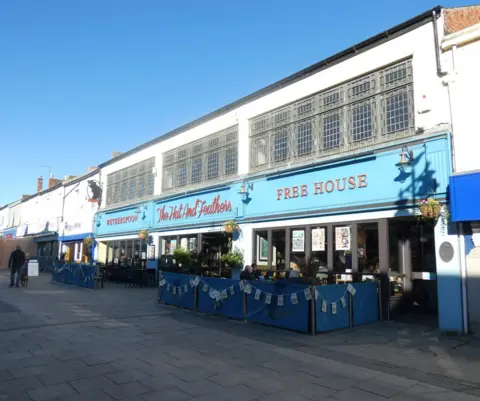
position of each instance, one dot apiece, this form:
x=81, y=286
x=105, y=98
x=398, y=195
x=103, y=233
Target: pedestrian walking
x=15, y=263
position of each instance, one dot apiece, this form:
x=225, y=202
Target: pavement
x=59, y=342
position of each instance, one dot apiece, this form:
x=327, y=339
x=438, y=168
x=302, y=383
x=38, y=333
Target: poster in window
x=298, y=241
x=192, y=244
x=184, y=243
x=151, y=252
x=342, y=238
x=318, y=239
x=262, y=249
x=173, y=246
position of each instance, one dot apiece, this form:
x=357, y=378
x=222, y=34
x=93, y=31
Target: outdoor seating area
x=280, y=303
x=91, y=276
x=129, y=275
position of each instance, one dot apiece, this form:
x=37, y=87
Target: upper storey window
x=366, y=111
x=206, y=161
x=131, y=183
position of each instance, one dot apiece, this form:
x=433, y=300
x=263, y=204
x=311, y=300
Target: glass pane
x=259, y=152
x=397, y=112
x=213, y=165
x=116, y=193
x=196, y=170
x=297, y=254
x=141, y=182
x=280, y=150
x=342, y=249
x=278, y=255
x=362, y=122
x=422, y=244
x=123, y=196
x=368, y=254
x=116, y=252
x=143, y=250
x=319, y=248
x=181, y=170
x=262, y=250
x=132, y=187
x=331, y=131
x=231, y=160
x=168, y=178
x=129, y=252
x=304, y=138
x=109, y=194
x=150, y=183
x=123, y=247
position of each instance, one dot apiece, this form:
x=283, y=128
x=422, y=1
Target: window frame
x=128, y=179
x=355, y=131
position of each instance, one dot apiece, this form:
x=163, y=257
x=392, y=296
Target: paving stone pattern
x=64, y=343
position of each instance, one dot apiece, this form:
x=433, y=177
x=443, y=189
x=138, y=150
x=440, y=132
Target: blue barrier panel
x=174, y=291
x=332, y=319
x=79, y=275
x=218, y=299
x=289, y=316
x=365, y=303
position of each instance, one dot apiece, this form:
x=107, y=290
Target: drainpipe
x=463, y=269
x=440, y=73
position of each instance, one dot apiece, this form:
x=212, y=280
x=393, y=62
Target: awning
x=46, y=237
x=464, y=196
x=75, y=237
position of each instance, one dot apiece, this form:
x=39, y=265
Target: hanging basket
x=88, y=241
x=143, y=234
x=430, y=209
x=230, y=227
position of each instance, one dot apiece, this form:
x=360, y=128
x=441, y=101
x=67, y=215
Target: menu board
x=342, y=238
x=318, y=239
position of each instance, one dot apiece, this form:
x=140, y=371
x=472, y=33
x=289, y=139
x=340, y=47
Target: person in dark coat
x=15, y=263
x=246, y=273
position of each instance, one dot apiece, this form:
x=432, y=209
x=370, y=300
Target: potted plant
x=88, y=241
x=233, y=259
x=231, y=226
x=143, y=234
x=182, y=256
x=430, y=209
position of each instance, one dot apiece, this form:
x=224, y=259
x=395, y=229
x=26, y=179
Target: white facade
x=461, y=58
x=432, y=109
x=4, y=214
x=78, y=212
x=43, y=211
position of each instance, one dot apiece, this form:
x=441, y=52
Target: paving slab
x=64, y=343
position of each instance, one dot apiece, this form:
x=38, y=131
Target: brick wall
x=460, y=18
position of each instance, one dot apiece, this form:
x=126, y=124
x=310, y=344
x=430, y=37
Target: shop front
x=76, y=243
x=123, y=243
x=45, y=235
x=193, y=228
x=464, y=192
x=358, y=219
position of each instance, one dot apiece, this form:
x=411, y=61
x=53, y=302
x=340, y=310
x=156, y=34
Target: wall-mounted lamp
x=406, y=156
x=245, y=189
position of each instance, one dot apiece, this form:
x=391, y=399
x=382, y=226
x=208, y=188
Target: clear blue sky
x=80, y=79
